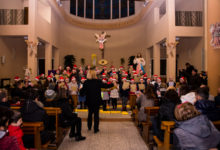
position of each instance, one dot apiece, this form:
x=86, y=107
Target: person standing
x=92, y=91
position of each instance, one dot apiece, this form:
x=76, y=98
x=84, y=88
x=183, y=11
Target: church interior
x=158, y=55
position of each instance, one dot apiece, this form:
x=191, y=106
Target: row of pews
x=167, y=126
x=34, y=128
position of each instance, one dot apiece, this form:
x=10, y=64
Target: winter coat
x=143, y=102
x=33, y=111
x=18, y=133
x=197, y=133
x=8, y=142
x=208, y=108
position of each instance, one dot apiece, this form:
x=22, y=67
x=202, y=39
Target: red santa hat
x=17, y=78
x=132, y=80
x=37, y=78
x=121, y=67
x=49, y=77
x=155, y=76
x=103, y=74
x=73, y=78
x=159, y=78
x=134, y=71
x=112, y=67
x=114, y=79
x=74, y=66
x=123, y=78
x=83, y=79
x=41, y=75
x=126, y=73
x=149, y=79
x=135, y=74
x=111, y=78
x=141, y=79
x=61, y=78
x=145, y=76
x=182, y=78
x=104, y=80
x=114, y=72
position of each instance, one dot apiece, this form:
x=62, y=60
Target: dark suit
x=92, y=90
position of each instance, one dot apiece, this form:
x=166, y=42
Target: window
x=124, y=7
x=102, y=8
x=73, y=7
x=81, y=8
x=115, y=9
x=89, y=8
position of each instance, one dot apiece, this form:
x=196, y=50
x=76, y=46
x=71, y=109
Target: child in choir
x=133, y=89
x=115, y=75
x=15, y=129
x=73, y=91
x=114, y=94
x=82, y=99
x=62, y=88
x=136, y=77
x=154, y=80
x=57, y=75
x=124, y=92
x=141, y=85
x=171, y=83
x=105, y=95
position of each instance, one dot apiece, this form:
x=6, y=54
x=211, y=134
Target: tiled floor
x=112, y=136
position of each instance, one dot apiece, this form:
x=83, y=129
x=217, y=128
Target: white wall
x=11, y=4
x=14, y=50
x=190, y=50
x=189, y=5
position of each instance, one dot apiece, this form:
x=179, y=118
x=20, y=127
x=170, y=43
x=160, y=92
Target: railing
x=13, y=16
x=189, y=18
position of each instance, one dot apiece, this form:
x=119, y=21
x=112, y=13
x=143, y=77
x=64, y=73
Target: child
x=6, y=142
x=15, y=129
x=124, y=92
x=194, y=131
x=141, y=85
x=82, y=99
x=133, y=89
x=73, y=91
x=105, y=95
x=114, y=95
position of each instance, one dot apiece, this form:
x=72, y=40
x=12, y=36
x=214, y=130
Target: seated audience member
x=205, y=106
x=67, y=118
x=4, y=99
x=217, y=98
x=145, y=101
x=166, y=111
x=17, y=92
x=187, y=95
x=33, y=111
x=194, y=131
x=6, y=142
x=211, y=97
x=14, y=129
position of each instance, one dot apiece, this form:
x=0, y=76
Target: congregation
x=187, y=102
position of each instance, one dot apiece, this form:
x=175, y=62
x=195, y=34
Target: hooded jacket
x=208, y=108
x=17, y=132
x=197, y=133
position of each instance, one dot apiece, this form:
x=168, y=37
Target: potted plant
x=69, y=60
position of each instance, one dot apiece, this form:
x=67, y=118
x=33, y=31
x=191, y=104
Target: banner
x=215, y=31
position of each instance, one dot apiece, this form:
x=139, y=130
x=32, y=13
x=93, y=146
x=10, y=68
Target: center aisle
x=112, y=136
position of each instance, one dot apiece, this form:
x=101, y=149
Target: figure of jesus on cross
x=101, y=39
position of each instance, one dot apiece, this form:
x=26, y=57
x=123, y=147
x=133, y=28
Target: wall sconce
x=2, y=59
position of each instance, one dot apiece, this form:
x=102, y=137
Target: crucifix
x=101, y=39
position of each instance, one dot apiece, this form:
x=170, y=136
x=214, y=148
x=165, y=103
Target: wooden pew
x=150, y=111
x=51, y=111
x=34, y=128
x=168, y=126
